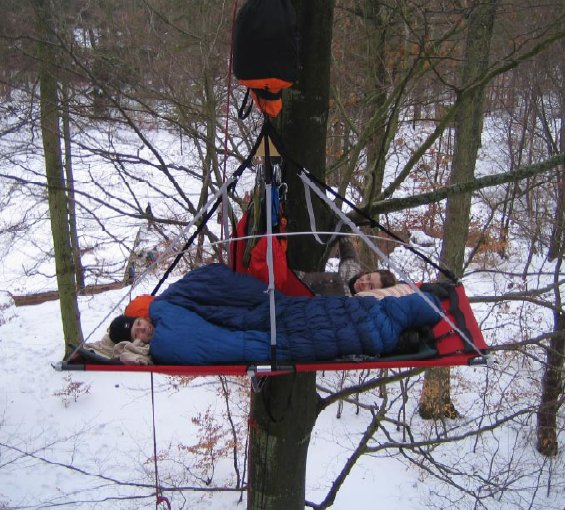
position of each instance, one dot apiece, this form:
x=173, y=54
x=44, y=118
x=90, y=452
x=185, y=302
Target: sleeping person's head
x=380, y=279
x=127, y=329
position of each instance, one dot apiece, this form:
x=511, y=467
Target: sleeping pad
x=213, y=315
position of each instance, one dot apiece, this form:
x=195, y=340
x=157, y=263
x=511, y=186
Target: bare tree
x=64, y=258
x=435, y=401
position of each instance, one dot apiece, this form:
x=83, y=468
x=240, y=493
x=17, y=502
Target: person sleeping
x=379, y=284
x=213, y=315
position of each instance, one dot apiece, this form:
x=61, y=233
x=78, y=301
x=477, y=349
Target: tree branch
x=366, y=386
x=400, y=204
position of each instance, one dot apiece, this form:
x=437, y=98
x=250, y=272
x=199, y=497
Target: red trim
x=186, y=370
x=447, y=361
x=242, y=370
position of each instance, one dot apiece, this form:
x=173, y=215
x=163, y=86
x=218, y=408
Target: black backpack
x=265, y=51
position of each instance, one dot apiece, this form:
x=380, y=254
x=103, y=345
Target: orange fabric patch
x=139, y=306
x=272, y=107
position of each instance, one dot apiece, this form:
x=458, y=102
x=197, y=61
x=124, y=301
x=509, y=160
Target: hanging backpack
x=265, y=51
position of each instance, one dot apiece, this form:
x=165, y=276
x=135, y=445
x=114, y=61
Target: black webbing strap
x=277, y=142
x=236, y=175
x=267, y=94
x=241, y=112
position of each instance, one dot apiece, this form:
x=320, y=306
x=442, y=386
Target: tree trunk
x=283, y=416
x=376, y=147
x=381, y=22
x=285, y=411
x=552, y=382
x=303, y=123
x=435, y=400
x=209, y=158
x=557, y=241
x=64, y=263
x=75, y=246
x=552, y=389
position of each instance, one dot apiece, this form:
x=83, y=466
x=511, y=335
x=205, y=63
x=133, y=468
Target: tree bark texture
x=303, y=124
x=435, y=400
x=557, y=241
x=552, y=390
x=468, y=129
x=552, y=382
x=57, y=198
x=75, y=245
x=457, y=189
x=381, y=22
x=283, y=415
x=284, y=412
x=378, y=35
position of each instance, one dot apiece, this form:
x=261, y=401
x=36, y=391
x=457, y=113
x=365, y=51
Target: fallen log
x=42, y=297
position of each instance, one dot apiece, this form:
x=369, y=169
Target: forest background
x=108, y=107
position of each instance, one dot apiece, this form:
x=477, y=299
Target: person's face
x=369, y=281
x=142, y=329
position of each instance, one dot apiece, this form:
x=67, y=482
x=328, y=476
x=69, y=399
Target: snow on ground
x=96, y=451
x=84, y=440
x=107, y=430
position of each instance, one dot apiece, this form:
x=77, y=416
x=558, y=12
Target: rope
x=308, y=233
x=306, y=180
x=277, y=142
x=225, y=227
x=252, y=426
x=160, y=499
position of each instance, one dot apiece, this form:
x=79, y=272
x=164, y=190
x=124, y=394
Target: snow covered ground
x=84, y=440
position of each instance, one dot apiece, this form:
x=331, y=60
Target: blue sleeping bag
x=214, y=315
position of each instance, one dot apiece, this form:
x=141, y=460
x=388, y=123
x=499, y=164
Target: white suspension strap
x=306, y=233
x=340, y=214
x=312, y=217
x=271, y=286
x=226, y=224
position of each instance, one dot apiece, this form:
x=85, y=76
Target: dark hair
x=387, y=279
x=120, y=329
x=351, y=282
